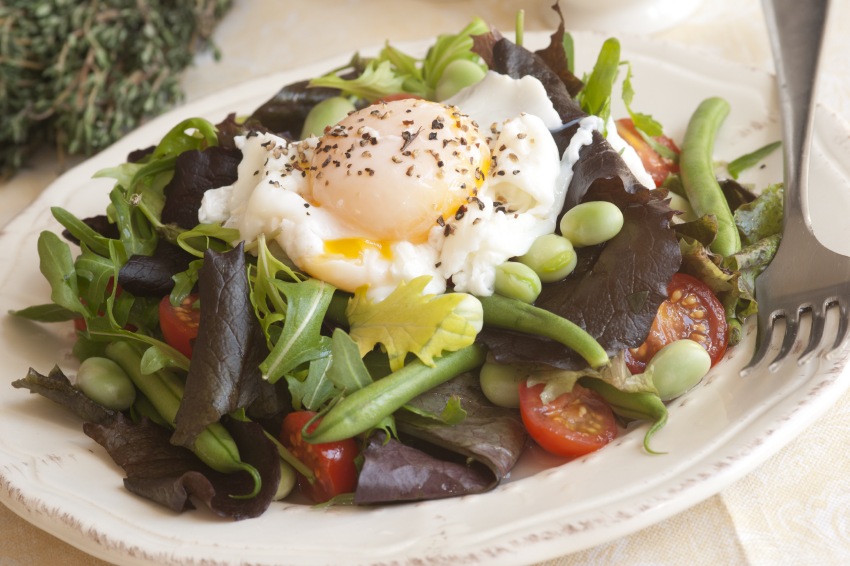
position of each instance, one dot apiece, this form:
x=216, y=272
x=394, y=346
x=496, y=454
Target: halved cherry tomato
x=574, y=424
x=690, y=311
x=332, y=462
x=656, y=165
x=397, y=96
x=180, y=324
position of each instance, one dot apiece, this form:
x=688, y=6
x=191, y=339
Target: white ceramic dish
x=60, y=480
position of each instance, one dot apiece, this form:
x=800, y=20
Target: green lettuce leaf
x=378, y=80
x=407, y=321
x=762, y=217
x=348, y=373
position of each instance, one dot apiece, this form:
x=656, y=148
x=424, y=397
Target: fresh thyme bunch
x=82, y=73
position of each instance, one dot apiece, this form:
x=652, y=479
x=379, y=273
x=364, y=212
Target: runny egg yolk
x=395, y=170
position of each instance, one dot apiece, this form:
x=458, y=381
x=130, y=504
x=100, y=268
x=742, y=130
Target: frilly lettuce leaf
x=378, y=79
x=762, y=217
x=560, y=381
x=408, y=321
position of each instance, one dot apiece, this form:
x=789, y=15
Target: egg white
x=527, y=178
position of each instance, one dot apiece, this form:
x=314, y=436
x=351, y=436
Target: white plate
x=60, y=480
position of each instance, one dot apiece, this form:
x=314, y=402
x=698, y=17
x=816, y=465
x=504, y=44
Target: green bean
x=697, y=171
x=591, y=223
x=367, y=407
x=458, y=75
x=144, y=408
x=677, y=367
x=552, y=258
x=641, y=406
x=326, y=113
x=287, y=481
x=516, y=315
x=103, y=381
x=214, y=446
x=517, y=281
x=500, y=384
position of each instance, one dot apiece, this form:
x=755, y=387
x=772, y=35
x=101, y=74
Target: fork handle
x=796, y=29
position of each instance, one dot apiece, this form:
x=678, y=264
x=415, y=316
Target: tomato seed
x=674, y=298
x=690, y=301
x=698, y=314
x=697, y=337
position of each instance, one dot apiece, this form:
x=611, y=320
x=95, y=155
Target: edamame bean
x=458, y=75
x=552, y=258
x=677, y=367
x=103, y=381
x=500, y=384
x=517, y=281
x=591, y=223
x=326, y=113
x=679, y=203
x=697, y=171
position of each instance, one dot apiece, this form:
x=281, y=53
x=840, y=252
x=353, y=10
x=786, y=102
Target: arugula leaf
x=643, y=122
x=82, y=231
x=85, y=348
x=263, y=292
x=176, y=141
x=100, y=332
x=144, y=314
x=134, y=230
x=569, y=51
x=407, y=321
x=155, y=359
x=93, y=274
x=300, y=340
x=207, y=236
x=57, y=266
x=453, y=413
x=596, y=98
x=377, y=80
x=751, y=159
x=47, y=313
x=347, y=372
x=450, y=48
x=184, y=282
x=315, y=390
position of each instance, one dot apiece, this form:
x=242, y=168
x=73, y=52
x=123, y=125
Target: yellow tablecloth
x=792, y=510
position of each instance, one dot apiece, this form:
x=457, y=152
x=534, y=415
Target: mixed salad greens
x=226, y=373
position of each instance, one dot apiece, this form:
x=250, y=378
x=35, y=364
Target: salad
x=384, y=280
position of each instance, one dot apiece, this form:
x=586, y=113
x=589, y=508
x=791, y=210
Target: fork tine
x=815, y=336
x=844, y=313
x=764, y=335
x=792, y=324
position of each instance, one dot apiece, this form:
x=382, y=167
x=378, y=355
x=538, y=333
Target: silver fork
x=804, y=275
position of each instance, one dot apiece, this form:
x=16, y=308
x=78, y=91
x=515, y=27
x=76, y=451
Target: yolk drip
x=353, y=248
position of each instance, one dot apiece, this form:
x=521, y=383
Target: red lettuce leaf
x=556, y=58
x=138, y=154
x=395, y=472
x=287, y=110
x=495, y=436
x=151, y=276
x=229, y=128
x=224, y=375
x=168, y=474
x=491, y=436
x=482, y=45
x=56, y=387
x=517, y=62
x=99, y=224
x=196, y=172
